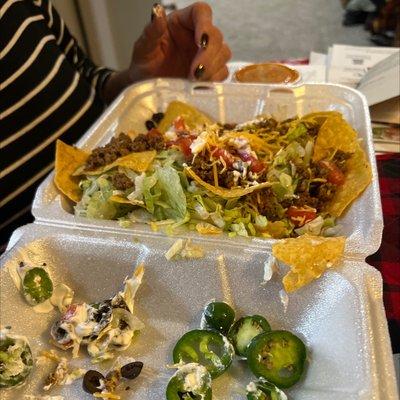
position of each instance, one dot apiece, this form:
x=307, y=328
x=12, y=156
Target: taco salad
x=263, y=177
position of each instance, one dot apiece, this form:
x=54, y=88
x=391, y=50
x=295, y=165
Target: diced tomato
x=335, y=175
x=179, y=124
x=255, y=164
x=225, y=155
x=183, y=142
x=301, y=215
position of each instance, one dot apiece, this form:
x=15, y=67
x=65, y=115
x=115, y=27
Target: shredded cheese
x=107, y=395
x=215, y=172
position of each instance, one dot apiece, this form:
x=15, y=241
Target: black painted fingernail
x=204, y=40
x=198, y=73
x=155, y=11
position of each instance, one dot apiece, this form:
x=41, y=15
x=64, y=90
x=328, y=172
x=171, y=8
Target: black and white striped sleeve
x=70, y=47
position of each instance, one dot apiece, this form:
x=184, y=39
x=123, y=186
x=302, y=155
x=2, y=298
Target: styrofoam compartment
x=340, y=316
x=225, y=102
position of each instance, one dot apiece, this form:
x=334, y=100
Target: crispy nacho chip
x=321, y=116
x=308, y=257
x=124, y=200
x=205, y=228
x=192, y=117
x=138, y=162
x=334, y=134
x=358, y=177
x=68, y=158
x=222, y=192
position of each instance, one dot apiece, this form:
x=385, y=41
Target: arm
x=185, y=44
x=96, y=76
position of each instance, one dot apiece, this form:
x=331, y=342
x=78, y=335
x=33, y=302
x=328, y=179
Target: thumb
x=152, y=33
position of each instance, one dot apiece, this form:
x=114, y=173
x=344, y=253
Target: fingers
x=209, y=61
x=202, y=23
x=152, y=33
x=221, y=75
x=197, y=18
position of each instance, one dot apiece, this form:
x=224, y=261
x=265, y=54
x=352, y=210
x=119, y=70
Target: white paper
x=311, y=73
x=349, y=64
x=359, y=56
x=318, y=58
x=349, y=76
x=382, y=82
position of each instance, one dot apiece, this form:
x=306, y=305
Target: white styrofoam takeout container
x=228, y=102
x=340, y=316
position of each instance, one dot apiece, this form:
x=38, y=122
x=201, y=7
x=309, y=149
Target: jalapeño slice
x=16, y=361
x=278, y=356
x=37, y=286
x=219, y=316
x=244, y=330
x=208, y=348
x=191, y=382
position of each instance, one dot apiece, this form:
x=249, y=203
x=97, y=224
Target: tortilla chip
x=358, y=177
x=308, y=257
x=68, y=158
x=192, y=117
x=124, y=200
x=206, y=228
x=138, y=162
x=222, y=192
x=321, y=116
x=334, y=134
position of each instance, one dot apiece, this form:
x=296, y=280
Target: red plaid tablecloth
x=387, y=258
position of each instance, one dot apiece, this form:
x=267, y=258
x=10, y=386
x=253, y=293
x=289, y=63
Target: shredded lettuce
x=171, y=192
x=94, y=202
x=295, y=132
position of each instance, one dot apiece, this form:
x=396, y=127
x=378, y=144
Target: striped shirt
x=49, y=90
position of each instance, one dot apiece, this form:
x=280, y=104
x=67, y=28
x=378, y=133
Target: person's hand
x=184, y=44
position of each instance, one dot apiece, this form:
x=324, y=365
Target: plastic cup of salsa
x=272, y=73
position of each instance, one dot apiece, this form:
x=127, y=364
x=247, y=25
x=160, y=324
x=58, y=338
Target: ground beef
x=305, y=199
x=340, y=159
x=326, y=191
x=119, y=146
x=268, y=123
x=317, y=171
x=227, y=179
x=202, y=168
x=140, y=143
x=267, y=204
x=155, y=140
x=317, y=196
x=121, y=181
x=229, y=127
x=312, y=130
x=122, y=145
